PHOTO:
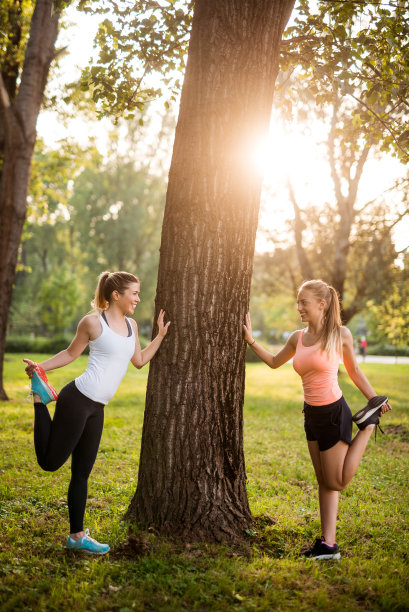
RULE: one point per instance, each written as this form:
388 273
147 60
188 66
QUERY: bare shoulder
90 323
293 338
134 324
345 333
346 338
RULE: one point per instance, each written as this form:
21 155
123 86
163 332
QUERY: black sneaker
321 550
370 414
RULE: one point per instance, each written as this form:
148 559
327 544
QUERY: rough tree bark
192 479
18 117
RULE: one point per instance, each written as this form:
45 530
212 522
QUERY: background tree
345 241
389 319
59 296
344 66
25 59
87 213
356 50
46 239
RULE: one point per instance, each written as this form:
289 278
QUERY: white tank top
108 360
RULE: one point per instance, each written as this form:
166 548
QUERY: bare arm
142 357
88 328
354 371
273 361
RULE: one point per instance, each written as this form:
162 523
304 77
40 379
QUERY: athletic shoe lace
90 539
376 429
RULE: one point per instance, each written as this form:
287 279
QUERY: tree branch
385 125
331 154
353 183
4 96
399 218
306 269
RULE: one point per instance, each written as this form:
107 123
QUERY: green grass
37 573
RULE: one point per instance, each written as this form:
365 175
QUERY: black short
328 424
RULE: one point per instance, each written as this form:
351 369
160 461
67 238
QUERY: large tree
22 87
192 475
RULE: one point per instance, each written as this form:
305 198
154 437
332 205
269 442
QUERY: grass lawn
37 573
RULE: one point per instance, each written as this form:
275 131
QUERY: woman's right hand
163 329
30 367
248 332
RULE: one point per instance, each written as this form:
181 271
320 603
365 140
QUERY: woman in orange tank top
317 351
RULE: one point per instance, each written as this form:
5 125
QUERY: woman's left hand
163 329
248 332
385 408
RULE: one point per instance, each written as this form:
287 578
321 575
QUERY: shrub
41 344
391 350
38 344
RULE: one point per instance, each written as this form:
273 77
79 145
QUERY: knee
48 466
333 485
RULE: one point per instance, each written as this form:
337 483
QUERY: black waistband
73 387
324 406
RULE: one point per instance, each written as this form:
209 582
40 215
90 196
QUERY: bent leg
328 498
340 462
83 459
55 439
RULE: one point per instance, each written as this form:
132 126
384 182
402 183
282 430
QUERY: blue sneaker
88 545
40 386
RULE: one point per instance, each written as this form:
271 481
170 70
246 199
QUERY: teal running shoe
88 545
40 386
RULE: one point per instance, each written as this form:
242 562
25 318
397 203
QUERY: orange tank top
319 373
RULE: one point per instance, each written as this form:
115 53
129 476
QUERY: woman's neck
315 329
114 312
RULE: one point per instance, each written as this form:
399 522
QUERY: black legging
75 429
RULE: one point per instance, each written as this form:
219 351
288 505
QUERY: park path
382 359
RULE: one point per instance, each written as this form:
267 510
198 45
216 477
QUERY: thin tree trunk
192 479
304 262
345 205
18 120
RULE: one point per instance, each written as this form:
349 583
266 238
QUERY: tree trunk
192 479
18 120
345 205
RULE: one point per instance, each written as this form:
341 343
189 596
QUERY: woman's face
309 307
128 300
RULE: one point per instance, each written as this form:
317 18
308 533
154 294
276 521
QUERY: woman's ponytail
99 302
332 323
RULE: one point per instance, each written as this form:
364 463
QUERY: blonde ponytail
331 335
109 282
99 303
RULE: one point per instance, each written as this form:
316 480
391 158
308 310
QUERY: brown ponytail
331 335
109 282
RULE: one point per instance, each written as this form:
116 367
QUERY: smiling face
128 300
310 308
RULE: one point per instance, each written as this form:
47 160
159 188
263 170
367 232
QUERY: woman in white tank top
76 427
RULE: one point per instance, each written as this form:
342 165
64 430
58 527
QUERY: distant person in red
363 345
